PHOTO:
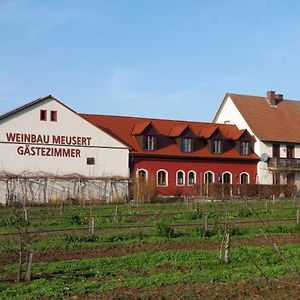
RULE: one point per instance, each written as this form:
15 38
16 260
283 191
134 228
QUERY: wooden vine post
225 247
29 265
92 226
205 225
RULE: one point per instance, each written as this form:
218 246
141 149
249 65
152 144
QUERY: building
47 139
275 124
177 155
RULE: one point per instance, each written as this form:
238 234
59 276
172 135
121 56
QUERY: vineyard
189 249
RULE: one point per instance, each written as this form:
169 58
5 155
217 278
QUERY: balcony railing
284 164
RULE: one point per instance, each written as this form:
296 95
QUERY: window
90 160
150 142
43 115
290 151
226 177
209 177
191 178
244 179
142 176
276 150
187 145
180 178
53 115
162 178
217 146
244 148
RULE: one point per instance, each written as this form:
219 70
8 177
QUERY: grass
147 269
150 268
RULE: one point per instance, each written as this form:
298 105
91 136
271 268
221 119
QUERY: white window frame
187 145
227 172
139 170
183 181
217 146
188 178
245 148
167 176
244 173
213 176
150 142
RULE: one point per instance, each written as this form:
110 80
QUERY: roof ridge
156 119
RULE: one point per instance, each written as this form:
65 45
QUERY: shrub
236 231
200 232
244 212
76 220
193 215
80 239
163 230
121 237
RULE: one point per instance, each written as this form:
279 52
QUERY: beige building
275 123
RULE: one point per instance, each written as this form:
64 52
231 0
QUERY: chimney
278 98
271 98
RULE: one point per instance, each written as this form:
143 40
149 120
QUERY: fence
245 190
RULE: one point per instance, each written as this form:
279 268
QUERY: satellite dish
264 157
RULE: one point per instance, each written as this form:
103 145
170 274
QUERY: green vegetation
153 225
146 269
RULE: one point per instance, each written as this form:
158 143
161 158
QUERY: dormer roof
126 128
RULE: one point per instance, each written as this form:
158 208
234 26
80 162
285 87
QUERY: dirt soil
288 288
51 255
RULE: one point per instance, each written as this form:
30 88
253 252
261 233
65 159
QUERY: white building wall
230 114
111 156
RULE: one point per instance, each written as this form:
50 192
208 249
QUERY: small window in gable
53 115
217 146
43 115
245 149
187 145
149 143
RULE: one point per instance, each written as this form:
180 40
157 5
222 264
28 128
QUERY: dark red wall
152 165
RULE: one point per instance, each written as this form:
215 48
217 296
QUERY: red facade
175 156
200 167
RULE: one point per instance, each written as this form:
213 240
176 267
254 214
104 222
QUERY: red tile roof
177 130
140 127
279 123
124 127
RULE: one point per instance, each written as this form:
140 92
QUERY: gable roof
122 127
140 128
178 130
280 123
32 103
42 99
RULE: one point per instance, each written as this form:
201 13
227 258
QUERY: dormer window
187 145
149 143
245 148
217 146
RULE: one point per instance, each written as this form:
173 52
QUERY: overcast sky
172 59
